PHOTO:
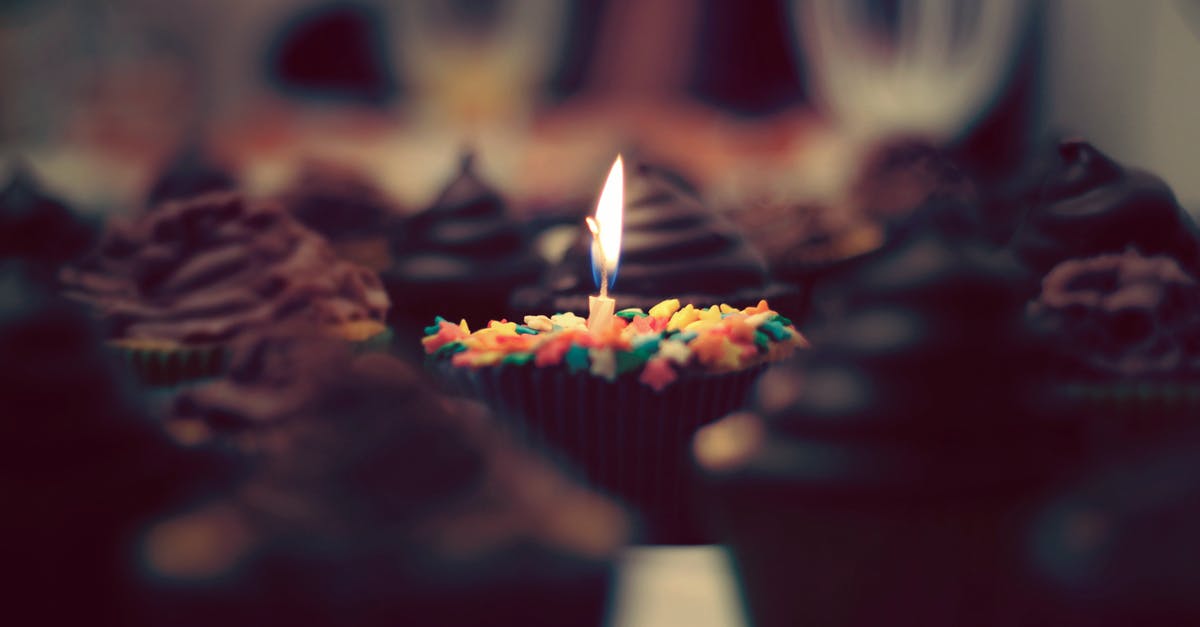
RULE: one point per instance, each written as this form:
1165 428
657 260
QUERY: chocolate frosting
38 228
672 246
337 200
466 236
1091 205
907 182
192 172
1121 314
208 269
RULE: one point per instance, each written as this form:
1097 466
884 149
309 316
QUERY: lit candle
606 245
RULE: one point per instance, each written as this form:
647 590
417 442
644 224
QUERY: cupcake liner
621 436
1121 413
173 366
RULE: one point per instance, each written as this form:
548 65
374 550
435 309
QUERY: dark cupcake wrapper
621 436
172 369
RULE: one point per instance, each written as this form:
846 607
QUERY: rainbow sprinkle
660 343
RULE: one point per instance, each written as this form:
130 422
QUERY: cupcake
39 229
377 502
1090 205
889 472
463 254
353 213
190 173
618 405
1124 330
85 468
672 246
177 284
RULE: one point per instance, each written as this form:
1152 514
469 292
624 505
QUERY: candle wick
594 227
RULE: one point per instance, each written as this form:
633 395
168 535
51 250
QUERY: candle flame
606 227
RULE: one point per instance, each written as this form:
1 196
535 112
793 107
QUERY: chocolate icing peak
192 172
1082 168
468 195
209 269
36 226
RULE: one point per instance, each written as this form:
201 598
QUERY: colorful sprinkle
659 345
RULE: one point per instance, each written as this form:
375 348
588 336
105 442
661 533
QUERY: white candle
606 245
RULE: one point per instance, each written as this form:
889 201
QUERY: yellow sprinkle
701 325
462 324
712 313
666 309
487 358
728 309
682 318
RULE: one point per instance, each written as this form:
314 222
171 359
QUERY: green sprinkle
762 341
776 330
781 320
631 313
687 336
437 325
646 346
517 359
524 330
449 348
576 359
627 362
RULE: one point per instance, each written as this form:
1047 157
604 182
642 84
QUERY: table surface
684 586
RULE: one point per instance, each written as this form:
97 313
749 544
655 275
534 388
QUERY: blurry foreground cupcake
85 469
464 254
887 475
377 502
353 213
619 404
177 284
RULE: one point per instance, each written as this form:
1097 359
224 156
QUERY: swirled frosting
208 269
336 200
190 173
1091 205
1122 314
673 246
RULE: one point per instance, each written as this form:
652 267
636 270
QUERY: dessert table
677 586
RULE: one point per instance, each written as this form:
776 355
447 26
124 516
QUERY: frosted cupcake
619 405
177 284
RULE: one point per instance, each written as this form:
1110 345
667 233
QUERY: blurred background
740 95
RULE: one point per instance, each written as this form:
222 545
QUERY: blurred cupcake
348 209
177 284
86 469
38 229
672 246
191 172
1125 334
380 503
1090 205
464 254
619 404
888 471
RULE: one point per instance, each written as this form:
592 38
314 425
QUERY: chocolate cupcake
672 246
464 254
347 208
889 472
380 503
1124 333
909 183
191 172
39 229
177 284
1090 205
85 469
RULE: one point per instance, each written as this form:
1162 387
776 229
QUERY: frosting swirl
336 200
190 173
208 269
465 236
1091 205
672 247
